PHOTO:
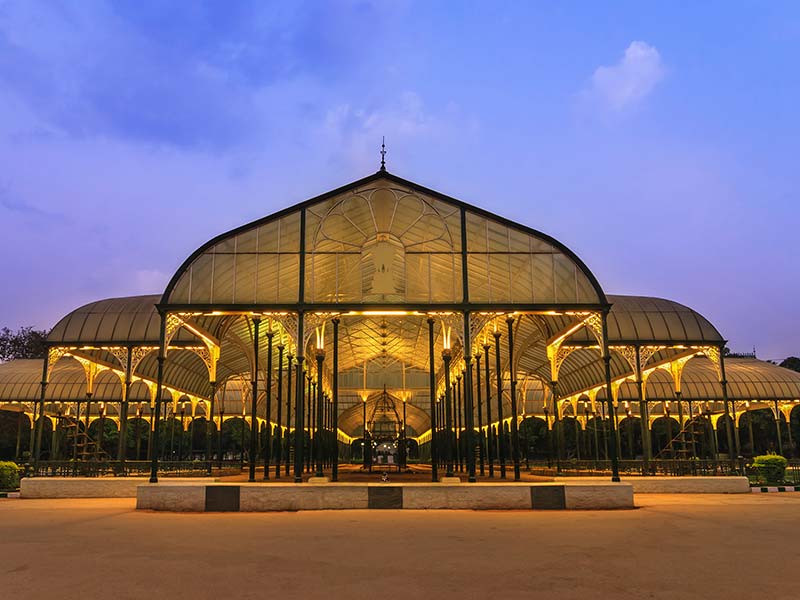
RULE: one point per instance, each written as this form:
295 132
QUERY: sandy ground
673 546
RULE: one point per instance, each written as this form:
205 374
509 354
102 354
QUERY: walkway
673 547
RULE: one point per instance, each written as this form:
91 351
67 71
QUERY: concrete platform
88 487
677 485
254 497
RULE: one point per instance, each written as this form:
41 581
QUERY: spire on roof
383 153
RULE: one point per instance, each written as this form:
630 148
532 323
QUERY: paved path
681 546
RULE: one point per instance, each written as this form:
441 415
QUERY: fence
129 468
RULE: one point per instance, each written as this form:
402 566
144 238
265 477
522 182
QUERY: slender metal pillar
681 424
279 402
268 411
335 407
778 428
209 424
162 356
557 436
318 443
489 438
469 418
448 417
434 411
298 408
123 412
481 448
469 421
458 423
288 454
36 445
252 458
514 413
403 445
610 399
501 438
644 415
312 435
366 447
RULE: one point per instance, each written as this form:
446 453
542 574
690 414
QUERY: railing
130 468
662 467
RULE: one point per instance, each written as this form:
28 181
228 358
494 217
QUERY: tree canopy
792 363
26 342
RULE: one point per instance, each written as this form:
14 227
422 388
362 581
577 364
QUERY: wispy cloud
629 81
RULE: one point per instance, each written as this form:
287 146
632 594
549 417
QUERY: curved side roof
383 240
748 379
636 318
132 319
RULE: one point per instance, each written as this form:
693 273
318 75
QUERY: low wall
87 487
678 485
200 497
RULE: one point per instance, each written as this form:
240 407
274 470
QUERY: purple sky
661 145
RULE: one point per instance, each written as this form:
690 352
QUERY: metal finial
383 153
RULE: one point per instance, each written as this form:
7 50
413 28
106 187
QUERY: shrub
770 467
9 475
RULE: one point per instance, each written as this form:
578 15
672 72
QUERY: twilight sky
660 142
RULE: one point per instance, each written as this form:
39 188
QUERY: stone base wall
86 487
675 485
220 497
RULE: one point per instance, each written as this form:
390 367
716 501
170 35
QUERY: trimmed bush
770 467
9 475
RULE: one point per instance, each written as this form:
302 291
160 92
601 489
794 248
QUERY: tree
792 363
26 342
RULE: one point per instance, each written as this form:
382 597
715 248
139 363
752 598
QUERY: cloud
629 81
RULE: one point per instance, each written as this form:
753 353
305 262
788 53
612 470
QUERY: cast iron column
448 417
335 392
159 383
458 419
279 401
366 446
432 384
501 437
480 411
298 409
317 443
489 439
287 466
253 405
513 376
610 399
268 410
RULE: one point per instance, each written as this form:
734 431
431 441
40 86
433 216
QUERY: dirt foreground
674 546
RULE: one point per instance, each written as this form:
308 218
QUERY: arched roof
637 318
128 320
748 379
383 240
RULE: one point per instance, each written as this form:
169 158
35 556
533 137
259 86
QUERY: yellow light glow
446 331
320 332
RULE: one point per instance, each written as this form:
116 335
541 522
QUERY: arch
535 440
105 433
630 437
757 432
663 431
137 438
236 437
15 427
794 430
